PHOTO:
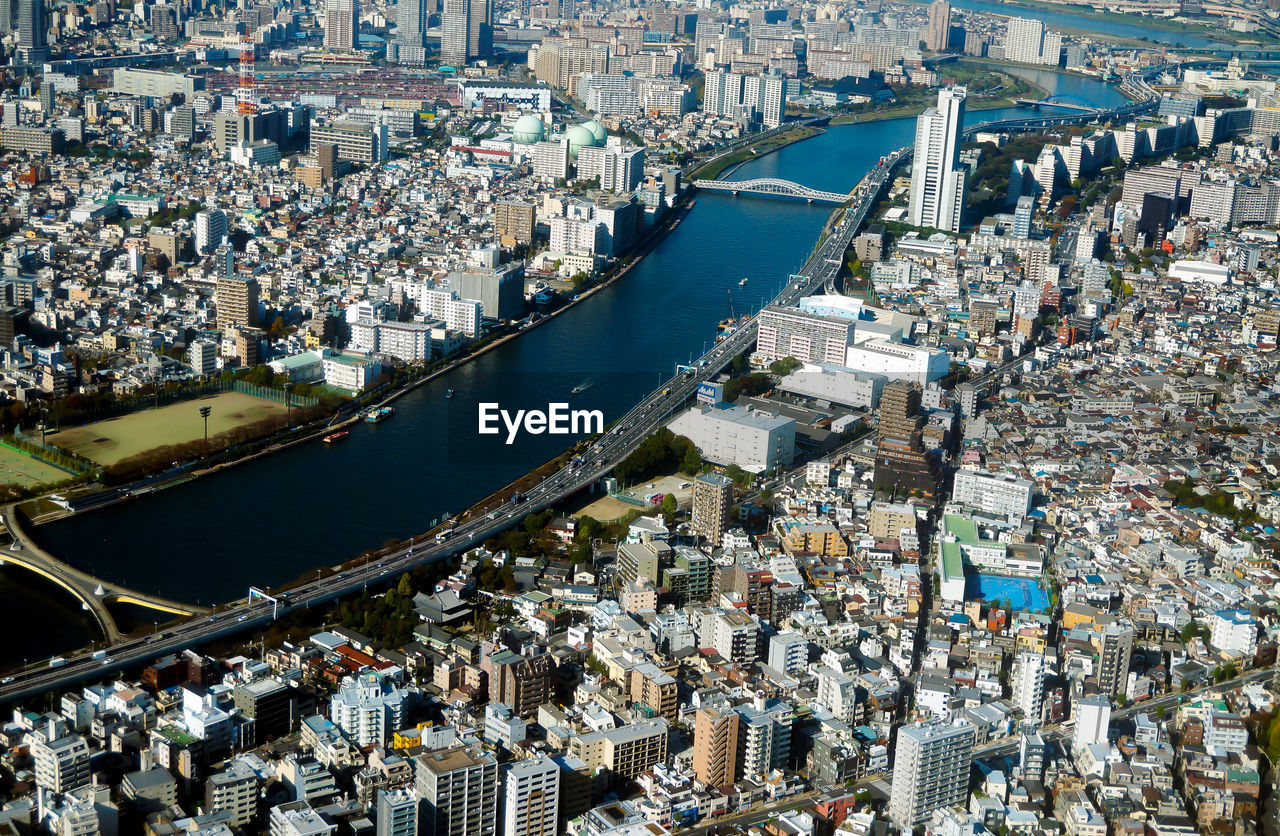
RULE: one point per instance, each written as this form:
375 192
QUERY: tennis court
17 468
1023 594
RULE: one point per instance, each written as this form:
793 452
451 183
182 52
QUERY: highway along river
268 521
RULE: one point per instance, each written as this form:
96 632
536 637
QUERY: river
268 521
1091 23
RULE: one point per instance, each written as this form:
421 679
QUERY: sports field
116 439
17 468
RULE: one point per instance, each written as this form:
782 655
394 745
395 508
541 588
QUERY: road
589 466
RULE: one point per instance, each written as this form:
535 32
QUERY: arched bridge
1064 102
18 549
774 186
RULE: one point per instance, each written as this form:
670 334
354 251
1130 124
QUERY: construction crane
246 101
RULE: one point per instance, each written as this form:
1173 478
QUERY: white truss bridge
772 186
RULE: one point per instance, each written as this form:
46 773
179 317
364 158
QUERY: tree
784 366
579 279
669 507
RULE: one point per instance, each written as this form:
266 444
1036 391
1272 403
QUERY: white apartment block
1002 494
809 338
531 795
930 770
1234 631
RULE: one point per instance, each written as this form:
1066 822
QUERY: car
6 680
243 618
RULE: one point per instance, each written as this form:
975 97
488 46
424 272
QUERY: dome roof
579 137
528 129
598 133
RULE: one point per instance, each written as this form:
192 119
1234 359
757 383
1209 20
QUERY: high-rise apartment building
938 179
623 753
930 770
715 747
341 25
459 792
1002 494
1028 685
514 220
62 763
745 97
211 230
368 710
522 682
531 797
902 463
808 337
712 500
1115 646
939 32
1023 40
237 301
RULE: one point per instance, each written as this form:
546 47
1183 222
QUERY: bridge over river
772 186
18 549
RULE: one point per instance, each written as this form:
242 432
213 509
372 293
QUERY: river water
268 521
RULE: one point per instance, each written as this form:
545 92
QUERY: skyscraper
1023 40
531 797
466 31
33 32
930 770
341 25
938 179
712 498
939 25
411 30
9 11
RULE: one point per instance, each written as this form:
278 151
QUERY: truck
98 654
57 662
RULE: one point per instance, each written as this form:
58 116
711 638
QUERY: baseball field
111 441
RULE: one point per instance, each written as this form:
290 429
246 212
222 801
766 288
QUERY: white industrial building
835 384
753 440
898 361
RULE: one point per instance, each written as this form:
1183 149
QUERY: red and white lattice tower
246 101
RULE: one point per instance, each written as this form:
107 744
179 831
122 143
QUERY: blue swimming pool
1023 594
